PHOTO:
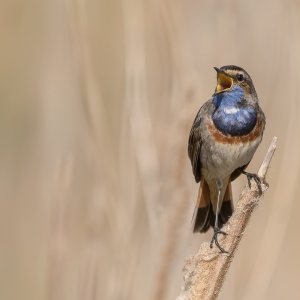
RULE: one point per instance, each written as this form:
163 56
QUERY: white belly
220 160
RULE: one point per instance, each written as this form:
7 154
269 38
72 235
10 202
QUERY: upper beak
225 82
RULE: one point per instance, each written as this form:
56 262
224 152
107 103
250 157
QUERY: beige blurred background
97 100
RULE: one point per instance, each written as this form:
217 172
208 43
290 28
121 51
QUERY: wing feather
194 147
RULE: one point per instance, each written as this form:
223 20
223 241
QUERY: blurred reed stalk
58 246
182 93
97 133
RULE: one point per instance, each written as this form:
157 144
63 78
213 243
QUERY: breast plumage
233 116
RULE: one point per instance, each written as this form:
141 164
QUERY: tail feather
203 210
227 205
204 217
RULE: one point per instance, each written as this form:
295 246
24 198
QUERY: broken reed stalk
206 271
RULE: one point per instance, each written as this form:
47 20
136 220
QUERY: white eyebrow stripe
231 110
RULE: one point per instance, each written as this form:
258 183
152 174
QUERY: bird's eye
240 77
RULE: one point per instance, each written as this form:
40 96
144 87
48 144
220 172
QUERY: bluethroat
225 134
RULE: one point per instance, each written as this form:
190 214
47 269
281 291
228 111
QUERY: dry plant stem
206 271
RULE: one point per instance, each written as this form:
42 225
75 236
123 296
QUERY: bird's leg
252 176
216 227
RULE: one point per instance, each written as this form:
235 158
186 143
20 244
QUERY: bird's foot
256 179
215 239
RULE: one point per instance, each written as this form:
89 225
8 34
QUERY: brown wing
194 147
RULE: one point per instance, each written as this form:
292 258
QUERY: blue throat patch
233 115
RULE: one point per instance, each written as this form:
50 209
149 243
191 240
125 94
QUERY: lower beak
224 81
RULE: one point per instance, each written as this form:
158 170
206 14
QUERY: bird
225 134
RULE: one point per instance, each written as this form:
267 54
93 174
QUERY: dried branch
206 271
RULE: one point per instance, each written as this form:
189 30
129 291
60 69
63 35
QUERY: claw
255 178
215 239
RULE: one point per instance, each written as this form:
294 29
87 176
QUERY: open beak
224 81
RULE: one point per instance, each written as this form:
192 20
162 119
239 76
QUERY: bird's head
230 76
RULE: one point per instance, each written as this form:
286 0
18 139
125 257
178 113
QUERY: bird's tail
204 216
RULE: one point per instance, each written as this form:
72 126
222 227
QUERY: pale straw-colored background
97 100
